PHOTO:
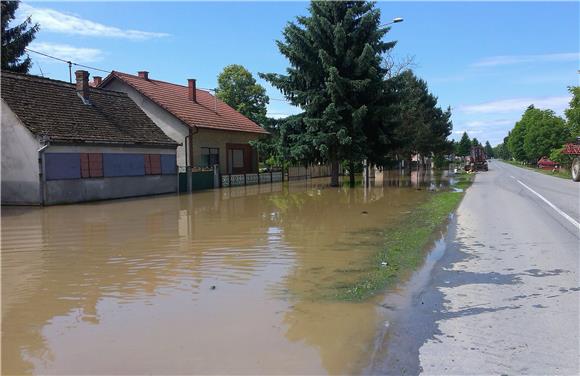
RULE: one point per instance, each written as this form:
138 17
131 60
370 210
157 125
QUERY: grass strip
405 245
563 173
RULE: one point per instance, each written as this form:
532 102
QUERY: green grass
563 173
405 245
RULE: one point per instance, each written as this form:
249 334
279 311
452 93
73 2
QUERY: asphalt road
504 297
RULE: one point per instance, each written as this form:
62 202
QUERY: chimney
191 90
97 80
143 74
83 85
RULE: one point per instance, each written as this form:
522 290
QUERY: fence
235 180
313 171
199 180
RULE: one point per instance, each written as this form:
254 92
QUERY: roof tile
53 108
207 112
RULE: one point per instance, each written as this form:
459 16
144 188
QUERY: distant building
64 143
218 133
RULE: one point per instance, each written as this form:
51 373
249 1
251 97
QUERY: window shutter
96 165
85 172
147 164
155 161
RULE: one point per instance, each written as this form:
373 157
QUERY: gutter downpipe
42 177
189 158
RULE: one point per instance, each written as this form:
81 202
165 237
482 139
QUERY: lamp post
394 21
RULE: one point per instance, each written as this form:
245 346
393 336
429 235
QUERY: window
209 157
238 158
152 164
91 165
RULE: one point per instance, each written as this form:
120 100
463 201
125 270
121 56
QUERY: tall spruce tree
336 77
423 127
15 39
464 147
488 150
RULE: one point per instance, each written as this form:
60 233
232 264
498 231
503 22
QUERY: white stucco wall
168 123
19 155
177 131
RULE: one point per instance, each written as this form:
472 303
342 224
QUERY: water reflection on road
222 281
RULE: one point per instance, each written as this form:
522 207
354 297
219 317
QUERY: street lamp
394 21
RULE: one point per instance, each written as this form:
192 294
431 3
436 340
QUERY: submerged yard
280 278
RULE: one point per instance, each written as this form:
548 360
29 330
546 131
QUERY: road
504 297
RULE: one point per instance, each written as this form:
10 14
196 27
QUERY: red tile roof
200 114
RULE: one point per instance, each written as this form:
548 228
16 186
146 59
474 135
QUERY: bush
557 155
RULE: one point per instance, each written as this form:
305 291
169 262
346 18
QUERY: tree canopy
464 145
422 127
573 112
239 89
15 39
544 132
336 77
488 150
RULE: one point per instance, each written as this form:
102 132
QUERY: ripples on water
221 281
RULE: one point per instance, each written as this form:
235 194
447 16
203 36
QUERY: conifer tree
464 147
15 39
336 77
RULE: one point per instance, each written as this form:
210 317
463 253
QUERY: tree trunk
351 174
334 173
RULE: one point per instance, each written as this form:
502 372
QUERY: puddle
222 281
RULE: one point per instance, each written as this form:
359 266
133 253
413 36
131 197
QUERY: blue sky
488 61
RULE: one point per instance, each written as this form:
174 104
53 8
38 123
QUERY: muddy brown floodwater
223 281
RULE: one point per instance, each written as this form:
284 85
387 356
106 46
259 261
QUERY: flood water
225 281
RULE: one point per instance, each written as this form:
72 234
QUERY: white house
64 143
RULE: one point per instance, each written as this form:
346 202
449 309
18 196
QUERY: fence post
216 177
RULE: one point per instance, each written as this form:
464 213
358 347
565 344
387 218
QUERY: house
64 143
209 131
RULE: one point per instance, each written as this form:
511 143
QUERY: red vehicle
546 164
477 160
574 150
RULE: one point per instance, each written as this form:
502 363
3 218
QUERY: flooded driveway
235 280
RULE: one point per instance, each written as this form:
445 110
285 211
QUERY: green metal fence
199 180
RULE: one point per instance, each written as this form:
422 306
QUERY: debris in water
364 212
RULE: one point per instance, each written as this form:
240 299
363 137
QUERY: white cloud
469 131
66 52
58 22
522 59
489 123
557 104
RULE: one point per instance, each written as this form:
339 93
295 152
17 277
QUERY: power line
69 62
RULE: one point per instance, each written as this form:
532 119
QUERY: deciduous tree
544 132
239 89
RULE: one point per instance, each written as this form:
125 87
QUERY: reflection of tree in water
334 232
123 250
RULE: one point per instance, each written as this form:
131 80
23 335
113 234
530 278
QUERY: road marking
513 177
570 219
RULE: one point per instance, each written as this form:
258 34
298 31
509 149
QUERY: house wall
177 131
19 155
218 139
123 169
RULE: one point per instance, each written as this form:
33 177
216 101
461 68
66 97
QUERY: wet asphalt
504 298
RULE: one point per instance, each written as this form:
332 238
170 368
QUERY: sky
488 61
